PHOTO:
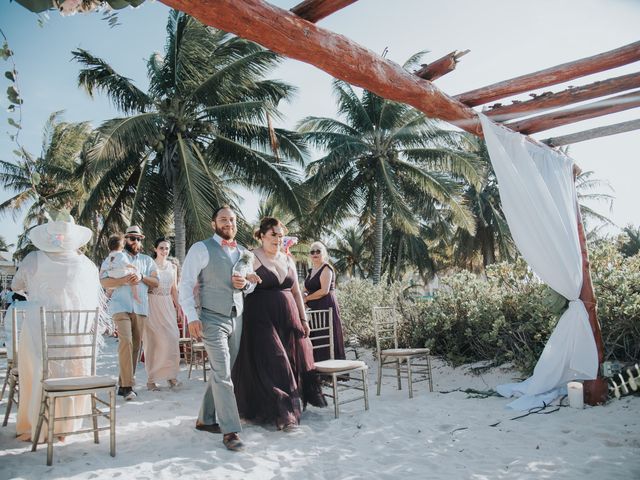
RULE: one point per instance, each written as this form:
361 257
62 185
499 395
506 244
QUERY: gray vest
216 292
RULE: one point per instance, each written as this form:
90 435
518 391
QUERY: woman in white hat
56 276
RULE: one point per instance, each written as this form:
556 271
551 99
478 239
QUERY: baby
118 264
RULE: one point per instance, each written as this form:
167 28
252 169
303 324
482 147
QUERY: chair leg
94 418
398 373
36 436
380 362
51 424
112 422
204 366
334 385
12 389
365 386
409 377
190 364
6 379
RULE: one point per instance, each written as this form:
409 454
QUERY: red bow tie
229 243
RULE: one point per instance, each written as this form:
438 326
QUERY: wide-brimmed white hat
60 235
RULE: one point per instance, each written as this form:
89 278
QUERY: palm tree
49 181
382 155
350 253
629 241
492 238
590 189
4 246
200 128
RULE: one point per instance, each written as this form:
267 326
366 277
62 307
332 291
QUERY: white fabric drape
539 202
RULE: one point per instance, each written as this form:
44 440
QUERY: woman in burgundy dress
320 294
273 374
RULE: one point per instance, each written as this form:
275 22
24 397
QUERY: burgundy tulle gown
312 284
273 374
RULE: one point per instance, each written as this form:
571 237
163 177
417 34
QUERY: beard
226 234
133 248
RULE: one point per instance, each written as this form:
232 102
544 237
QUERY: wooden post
595 391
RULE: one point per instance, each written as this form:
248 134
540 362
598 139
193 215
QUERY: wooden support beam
592 133
548 100
315 10
552 76
440 67
577 114
287 34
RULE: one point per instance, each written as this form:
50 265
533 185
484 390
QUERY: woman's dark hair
266 224
157 242
114 241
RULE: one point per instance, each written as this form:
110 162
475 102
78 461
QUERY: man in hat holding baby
129 313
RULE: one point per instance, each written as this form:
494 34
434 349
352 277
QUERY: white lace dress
160 335
56 281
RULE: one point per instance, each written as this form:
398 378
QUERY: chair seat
198 346
332 366
78 383
404 352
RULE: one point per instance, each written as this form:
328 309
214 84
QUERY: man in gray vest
209 266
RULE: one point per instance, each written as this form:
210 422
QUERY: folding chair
69 337
403 360
338 372
12 377
197 356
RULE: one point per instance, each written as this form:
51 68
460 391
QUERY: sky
506 38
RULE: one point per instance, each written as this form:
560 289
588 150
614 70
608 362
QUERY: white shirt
196 260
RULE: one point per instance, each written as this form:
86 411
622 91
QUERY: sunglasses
134 239
314 252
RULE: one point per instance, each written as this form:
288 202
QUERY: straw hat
134 231
60 235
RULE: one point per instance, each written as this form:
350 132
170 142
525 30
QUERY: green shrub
507 316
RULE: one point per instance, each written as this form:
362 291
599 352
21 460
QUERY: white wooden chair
184 342
4 351
12 377
342 374
68 337
198 356
412 363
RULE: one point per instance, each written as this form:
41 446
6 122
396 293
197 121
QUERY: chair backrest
17 321
68 336
385 324
321 326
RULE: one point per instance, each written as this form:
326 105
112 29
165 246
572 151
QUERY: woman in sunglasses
320 294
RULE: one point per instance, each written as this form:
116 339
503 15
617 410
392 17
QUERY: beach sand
435 435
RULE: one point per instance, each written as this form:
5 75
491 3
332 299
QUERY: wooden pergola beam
582 112
441 66
547 101
287 34
552 76
315 10
592 133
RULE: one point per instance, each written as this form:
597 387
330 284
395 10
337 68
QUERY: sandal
232 442
153 387
174 383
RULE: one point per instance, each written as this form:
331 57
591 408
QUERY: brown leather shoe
232 442
215 428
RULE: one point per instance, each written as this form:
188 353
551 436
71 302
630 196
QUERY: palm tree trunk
179 226
377 251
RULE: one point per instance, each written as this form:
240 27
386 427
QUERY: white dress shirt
196 260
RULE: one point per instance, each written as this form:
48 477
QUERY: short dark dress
312 284
273 374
